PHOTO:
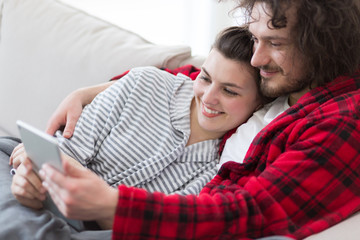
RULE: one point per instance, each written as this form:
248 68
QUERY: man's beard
291 86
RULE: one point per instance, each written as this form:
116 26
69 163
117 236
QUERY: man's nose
260 56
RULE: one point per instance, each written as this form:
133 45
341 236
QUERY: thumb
73 170
69 127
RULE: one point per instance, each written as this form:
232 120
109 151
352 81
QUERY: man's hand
68 112
80 193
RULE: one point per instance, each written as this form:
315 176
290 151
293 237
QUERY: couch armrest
348 229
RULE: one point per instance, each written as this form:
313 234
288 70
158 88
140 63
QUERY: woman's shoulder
149 70
158 75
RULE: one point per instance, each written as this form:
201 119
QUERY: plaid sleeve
142 215
297 195
300 181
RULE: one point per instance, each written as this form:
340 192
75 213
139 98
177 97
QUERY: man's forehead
261 15
257 11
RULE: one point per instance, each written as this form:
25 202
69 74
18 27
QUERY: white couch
48 49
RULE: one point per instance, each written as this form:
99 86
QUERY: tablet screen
40 147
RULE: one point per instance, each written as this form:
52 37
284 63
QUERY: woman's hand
17 156
68 112
80 193
26 185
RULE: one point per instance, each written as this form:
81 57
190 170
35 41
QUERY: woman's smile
208 112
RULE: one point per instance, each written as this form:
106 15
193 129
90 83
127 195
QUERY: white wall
190 22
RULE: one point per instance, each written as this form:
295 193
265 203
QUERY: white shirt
238 144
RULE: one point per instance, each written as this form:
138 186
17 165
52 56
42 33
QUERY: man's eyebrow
276 37
270 37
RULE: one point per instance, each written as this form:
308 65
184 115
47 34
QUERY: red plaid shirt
188 70
300 176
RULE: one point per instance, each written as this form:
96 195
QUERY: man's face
280 62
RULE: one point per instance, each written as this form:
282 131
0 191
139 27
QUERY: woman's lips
208 112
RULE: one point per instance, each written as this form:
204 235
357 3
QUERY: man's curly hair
326 32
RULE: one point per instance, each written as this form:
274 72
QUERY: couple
300 174
155 130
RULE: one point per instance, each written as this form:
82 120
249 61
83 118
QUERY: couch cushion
48 49
345 230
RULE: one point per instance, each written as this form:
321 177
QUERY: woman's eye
206 79
229 92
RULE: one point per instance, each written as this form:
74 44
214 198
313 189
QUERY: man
300 174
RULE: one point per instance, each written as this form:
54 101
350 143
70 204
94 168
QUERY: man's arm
304 180
69 110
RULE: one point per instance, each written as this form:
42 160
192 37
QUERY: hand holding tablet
43 148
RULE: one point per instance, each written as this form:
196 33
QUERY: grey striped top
135 133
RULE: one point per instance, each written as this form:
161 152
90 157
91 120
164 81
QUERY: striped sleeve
135 133
102 115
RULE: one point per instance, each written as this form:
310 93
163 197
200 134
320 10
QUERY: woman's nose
210 95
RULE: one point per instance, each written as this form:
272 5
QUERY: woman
159 131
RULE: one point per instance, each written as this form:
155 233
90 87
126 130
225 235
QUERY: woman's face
226 93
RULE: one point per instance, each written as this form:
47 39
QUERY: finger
55 193
25 169
52 126
70 126
50 174
73 170
53 189
33 203
57 184
19 158
20 187
15 152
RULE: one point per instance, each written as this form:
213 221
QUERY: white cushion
48 49
346 230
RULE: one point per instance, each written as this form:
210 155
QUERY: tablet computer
43 148
39 146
